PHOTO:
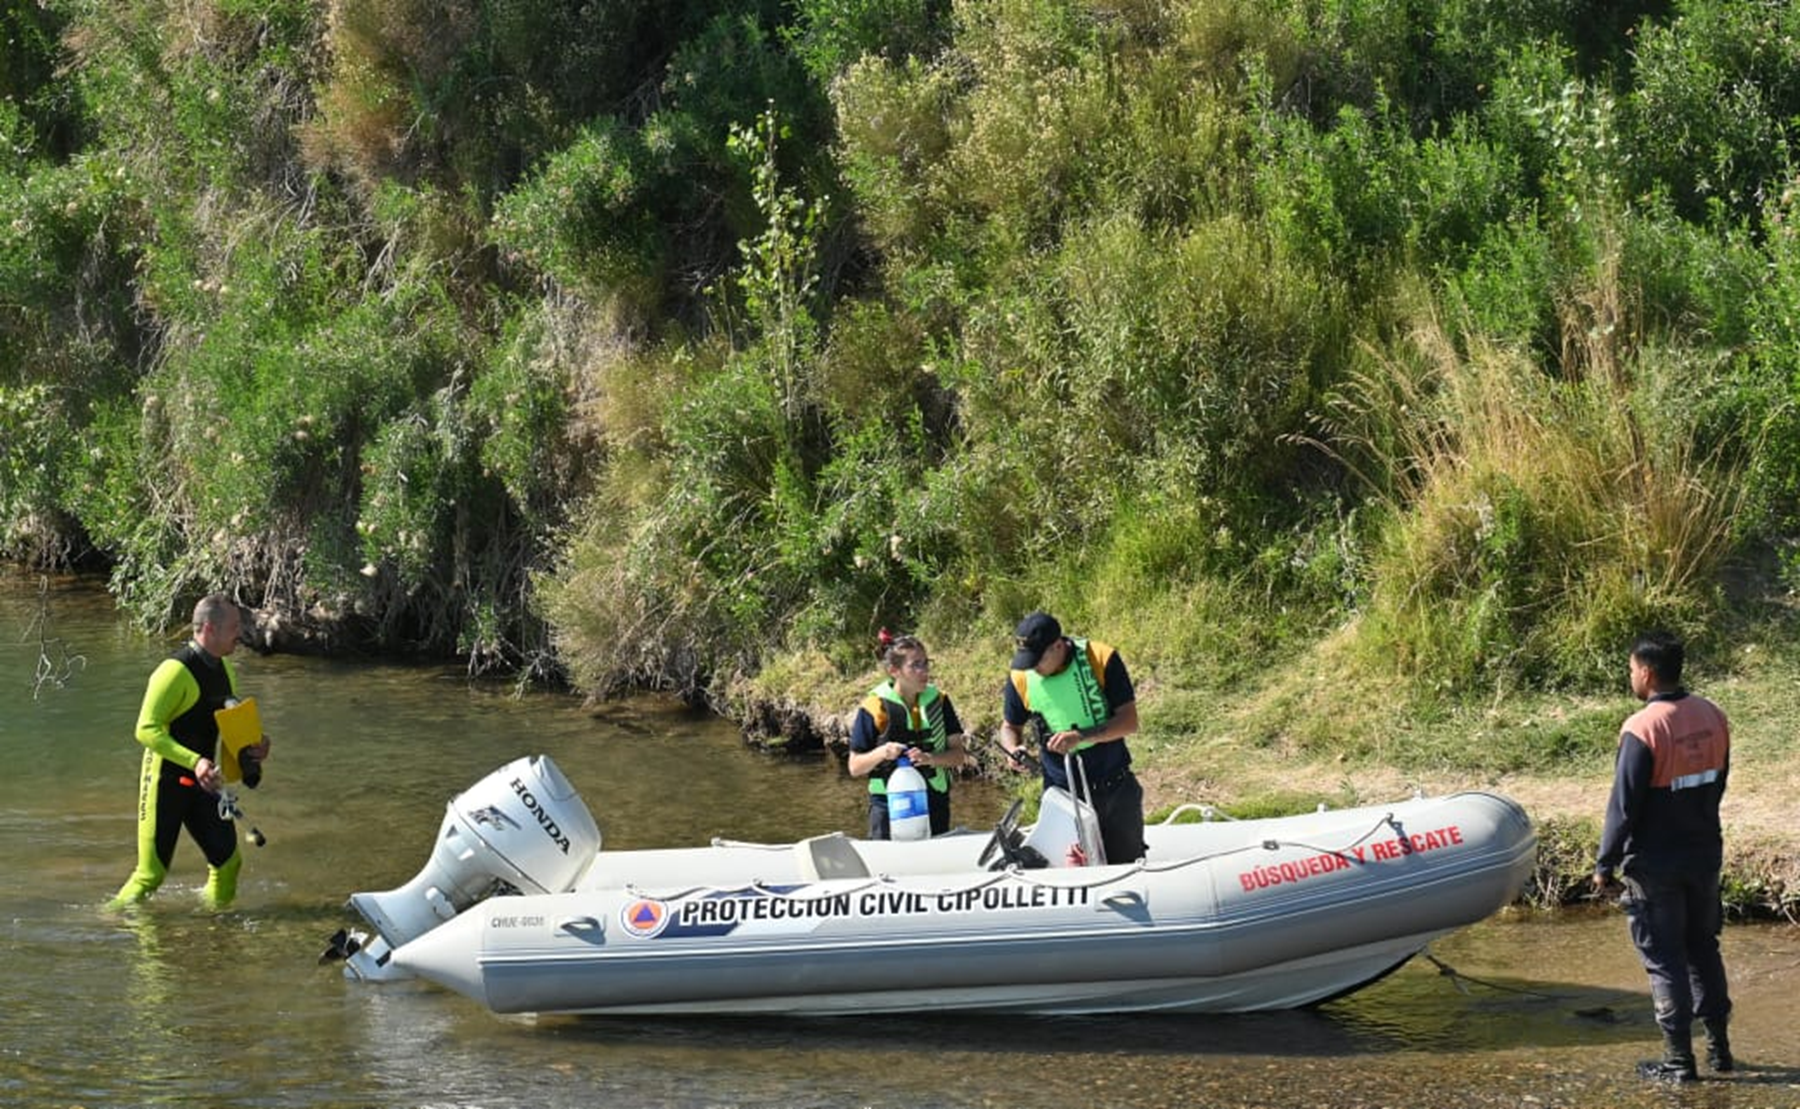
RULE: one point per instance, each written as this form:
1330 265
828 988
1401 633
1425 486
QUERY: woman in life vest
906 715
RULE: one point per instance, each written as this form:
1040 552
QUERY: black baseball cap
1033 637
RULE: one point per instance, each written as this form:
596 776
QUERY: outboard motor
523 826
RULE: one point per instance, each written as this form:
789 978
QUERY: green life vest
900 730
1073 698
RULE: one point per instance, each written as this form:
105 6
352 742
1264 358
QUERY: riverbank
1293 739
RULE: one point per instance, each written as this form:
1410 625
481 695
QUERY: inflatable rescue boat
519 909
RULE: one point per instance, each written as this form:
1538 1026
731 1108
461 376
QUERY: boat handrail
749 845
1208 813
1119 872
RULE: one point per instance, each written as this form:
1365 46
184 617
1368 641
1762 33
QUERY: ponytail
890 647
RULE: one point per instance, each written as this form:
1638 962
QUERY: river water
174 1005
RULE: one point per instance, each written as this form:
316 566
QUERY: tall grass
1535 516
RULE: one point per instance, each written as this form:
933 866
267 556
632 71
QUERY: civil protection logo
644 918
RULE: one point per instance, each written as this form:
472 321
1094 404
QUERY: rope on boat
1457 978
1141 866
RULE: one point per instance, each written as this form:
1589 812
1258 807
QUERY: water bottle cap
903 761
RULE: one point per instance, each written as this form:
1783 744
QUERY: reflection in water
148 996
174 1005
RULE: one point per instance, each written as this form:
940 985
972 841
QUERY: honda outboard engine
522 826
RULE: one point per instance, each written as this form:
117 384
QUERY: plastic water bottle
909 813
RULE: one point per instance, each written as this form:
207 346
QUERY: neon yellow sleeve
171 692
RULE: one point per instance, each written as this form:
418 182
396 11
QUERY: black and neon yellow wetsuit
177 728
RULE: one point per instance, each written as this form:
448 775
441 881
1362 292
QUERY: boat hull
1222 917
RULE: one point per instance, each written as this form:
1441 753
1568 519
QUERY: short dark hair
1662 653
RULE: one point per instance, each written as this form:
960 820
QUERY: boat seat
829 856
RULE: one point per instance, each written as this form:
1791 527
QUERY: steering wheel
1005 840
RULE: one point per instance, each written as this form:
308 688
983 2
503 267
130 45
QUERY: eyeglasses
918 665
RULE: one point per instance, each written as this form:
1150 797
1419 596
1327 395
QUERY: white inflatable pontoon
519 909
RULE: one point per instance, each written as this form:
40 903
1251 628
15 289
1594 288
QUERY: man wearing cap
1080 696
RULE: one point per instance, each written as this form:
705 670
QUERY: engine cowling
523 825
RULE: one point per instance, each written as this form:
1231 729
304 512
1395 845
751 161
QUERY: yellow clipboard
240 726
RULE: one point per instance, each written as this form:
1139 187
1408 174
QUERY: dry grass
1536 515
1250 753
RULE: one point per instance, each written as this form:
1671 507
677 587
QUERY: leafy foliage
647 341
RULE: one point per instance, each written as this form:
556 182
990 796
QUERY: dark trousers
1119 807
1675 918
938 804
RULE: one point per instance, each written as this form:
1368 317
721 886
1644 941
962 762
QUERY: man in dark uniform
1079 694
178 785
1662 840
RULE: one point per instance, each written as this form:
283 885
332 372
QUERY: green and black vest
899 730
1075 698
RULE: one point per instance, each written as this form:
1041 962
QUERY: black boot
1677 1062
1718 1046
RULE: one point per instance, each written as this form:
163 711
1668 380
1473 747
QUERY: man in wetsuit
1662 840
178 785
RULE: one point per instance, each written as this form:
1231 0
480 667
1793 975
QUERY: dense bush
648 340
1715 105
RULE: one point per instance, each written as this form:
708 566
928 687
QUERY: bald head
217 622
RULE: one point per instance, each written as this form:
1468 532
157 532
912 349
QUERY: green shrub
1039 109
1565 861
521 399
1506 287
1195 354
895 124
468 95
38 112
65 252
1365 191
1714 104
1767 382
1534 525
588 218
829 36
33 463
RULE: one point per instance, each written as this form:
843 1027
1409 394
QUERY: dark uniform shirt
1674 756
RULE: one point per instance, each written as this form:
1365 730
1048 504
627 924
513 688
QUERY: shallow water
175 1006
